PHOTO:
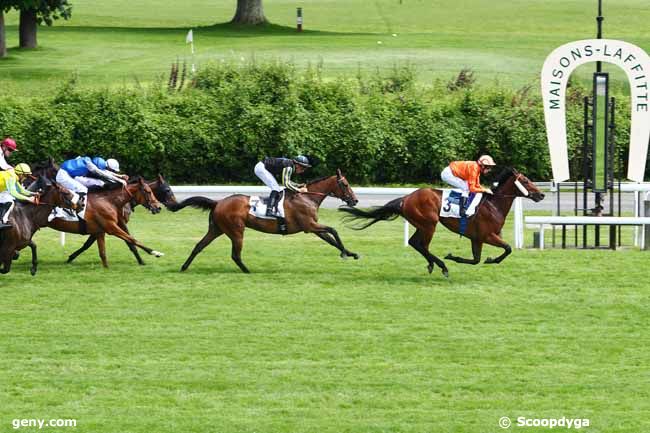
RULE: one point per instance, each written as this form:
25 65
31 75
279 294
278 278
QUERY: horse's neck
121 196
504 197
323 187
35 216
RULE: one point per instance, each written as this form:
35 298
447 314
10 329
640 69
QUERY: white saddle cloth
450 207
258 207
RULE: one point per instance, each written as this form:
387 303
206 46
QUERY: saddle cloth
258 206
450 203
66 214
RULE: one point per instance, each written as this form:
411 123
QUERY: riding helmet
302 160
486 160
22 169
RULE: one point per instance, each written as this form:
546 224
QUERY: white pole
519 224
62 239
193 67
406 233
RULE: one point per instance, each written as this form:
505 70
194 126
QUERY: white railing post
62 239
519 223
406 233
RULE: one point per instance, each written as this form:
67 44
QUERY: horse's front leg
477 247
32 246
330 235
115 230
496 241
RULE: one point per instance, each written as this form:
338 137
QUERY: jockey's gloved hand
488 191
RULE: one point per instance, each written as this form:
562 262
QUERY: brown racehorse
163 193
104 211
231 216
27 218
421 208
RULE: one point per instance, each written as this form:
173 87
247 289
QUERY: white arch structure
555 75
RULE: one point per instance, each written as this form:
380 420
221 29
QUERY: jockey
268 168
81 172
8 146
11 189
465 175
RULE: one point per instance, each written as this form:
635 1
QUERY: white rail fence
519 220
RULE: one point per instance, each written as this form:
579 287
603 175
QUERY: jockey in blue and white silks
82 172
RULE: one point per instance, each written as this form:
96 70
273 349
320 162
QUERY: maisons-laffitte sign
555 75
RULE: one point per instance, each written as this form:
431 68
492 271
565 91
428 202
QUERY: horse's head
523 187
143 195
343 190
53 193
163 191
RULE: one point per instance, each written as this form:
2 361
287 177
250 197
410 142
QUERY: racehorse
231 216
27 218
104 211
163 193
421 208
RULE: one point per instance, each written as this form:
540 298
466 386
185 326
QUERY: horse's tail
196 202
387 212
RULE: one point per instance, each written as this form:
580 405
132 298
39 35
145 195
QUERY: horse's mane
505 174
318 179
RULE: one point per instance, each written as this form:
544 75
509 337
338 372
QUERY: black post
585 168
599 20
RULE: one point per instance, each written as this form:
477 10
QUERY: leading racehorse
231 216
421 208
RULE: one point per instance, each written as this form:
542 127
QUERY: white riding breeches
90 181
67 181
448 176
266 177
5 197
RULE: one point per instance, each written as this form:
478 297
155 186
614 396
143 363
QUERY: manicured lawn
311 343
117 43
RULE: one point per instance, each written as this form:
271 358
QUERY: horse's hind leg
33 270
212 234
84 247
477 247
420 242
132 247
495 240
331 236
237 240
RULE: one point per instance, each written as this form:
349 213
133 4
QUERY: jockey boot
4 207
461 206
272 207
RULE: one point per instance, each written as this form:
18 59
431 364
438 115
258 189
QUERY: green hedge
376 129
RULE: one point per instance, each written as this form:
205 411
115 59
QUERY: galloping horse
27 218
421 208
231 216
105 210
163 193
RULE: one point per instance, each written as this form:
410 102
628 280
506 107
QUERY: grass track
311 343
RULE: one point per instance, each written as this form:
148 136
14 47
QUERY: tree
5 5
249 12
36 12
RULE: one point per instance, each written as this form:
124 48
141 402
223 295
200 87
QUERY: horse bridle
340 182
518 184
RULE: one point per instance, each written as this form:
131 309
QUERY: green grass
312 343
115 43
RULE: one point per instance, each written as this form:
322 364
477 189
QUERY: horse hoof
343 256
489 260
356 256
32 271
157 253
445 273
16 256
430 268
449 256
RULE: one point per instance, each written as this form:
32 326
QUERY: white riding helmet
486 160
113 165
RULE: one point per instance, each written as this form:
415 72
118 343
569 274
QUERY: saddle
450 203
259 204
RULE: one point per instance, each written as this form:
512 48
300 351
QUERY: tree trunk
27 28
249 12
3 41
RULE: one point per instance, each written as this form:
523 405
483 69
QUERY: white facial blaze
75 198
521 188
555 75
